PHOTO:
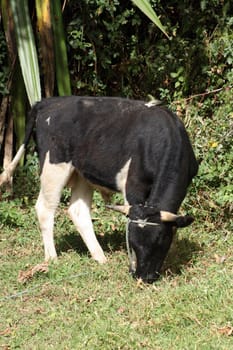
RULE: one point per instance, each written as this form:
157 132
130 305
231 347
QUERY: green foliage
115 50
212 139
95 37
26 181
10 214
147 9
220 52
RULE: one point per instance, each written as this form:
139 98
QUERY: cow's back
99 135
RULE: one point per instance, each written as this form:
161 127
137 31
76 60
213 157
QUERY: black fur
99 135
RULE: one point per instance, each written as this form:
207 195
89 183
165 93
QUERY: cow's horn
167 216
124 209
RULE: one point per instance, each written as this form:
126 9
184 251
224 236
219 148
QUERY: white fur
121 179
48 120
80 213
53 179
152 103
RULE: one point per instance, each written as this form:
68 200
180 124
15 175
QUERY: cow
114 145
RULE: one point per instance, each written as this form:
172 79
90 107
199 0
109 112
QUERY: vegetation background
113 49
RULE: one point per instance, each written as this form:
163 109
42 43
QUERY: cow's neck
168 197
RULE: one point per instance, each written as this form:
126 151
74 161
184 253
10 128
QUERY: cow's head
148 238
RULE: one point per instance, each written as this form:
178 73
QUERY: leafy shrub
212 191
10 215
116 50
26 181
100 52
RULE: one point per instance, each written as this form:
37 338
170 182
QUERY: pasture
79 304
76 303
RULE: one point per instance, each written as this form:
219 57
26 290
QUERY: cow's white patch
46 221
53 179
121 179
88 102
48 120
131 252
133 261
79 211
152 103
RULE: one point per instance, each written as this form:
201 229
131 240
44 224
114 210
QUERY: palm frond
26 49
146 8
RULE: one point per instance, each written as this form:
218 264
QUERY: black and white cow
114 144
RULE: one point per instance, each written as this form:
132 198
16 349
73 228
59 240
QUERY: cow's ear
183 221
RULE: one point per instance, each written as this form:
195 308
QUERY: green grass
79 304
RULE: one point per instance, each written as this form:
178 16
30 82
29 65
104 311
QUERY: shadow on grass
109 242
180 255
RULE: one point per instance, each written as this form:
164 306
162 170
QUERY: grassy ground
79 304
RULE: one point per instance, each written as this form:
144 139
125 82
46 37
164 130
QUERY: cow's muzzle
149 278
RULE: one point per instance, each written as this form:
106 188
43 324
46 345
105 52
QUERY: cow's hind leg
80 213
53 179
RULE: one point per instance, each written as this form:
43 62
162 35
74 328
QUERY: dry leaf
90 300
121 310
24 276
6 332
227 330
219 259
140 284
113 227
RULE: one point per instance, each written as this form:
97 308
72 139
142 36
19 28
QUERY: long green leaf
145 7
26 49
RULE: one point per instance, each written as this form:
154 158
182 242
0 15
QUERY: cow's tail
6 175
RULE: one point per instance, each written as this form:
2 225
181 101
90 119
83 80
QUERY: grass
79 304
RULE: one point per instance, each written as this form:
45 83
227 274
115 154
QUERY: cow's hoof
100 259
52 259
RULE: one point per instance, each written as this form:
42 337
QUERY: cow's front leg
80 213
